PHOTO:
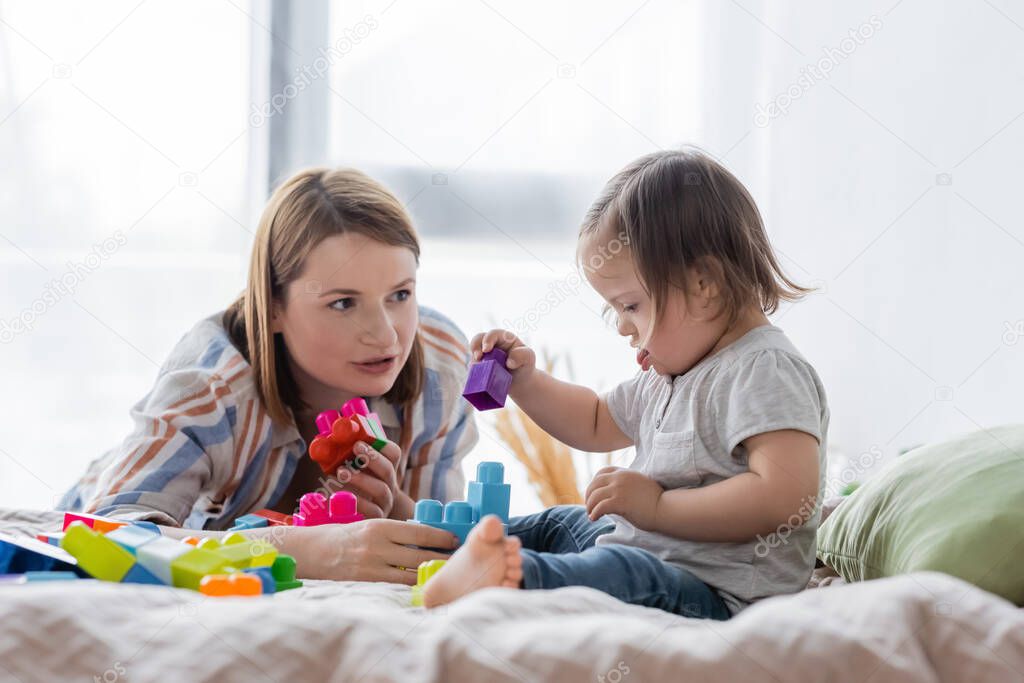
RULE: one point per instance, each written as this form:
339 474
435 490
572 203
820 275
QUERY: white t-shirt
688 432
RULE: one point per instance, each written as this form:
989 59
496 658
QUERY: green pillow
955 507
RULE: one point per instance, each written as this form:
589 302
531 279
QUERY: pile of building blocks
487 495
424 573
136 552
340 431
488 381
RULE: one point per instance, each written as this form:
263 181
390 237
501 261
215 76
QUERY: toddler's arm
778 493
573 414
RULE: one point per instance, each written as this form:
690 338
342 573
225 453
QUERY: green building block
189 569
283 571
99 556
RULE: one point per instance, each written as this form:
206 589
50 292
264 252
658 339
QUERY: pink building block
314 509
325 420
357 406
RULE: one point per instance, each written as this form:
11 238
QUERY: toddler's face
688 328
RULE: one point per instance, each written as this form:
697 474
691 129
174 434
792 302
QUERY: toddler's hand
521 358
624 492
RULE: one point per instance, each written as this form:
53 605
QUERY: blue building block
139 574
51 576
52 539
266 577
143 524
132 537
456 517
249 522
20 554
157 555
489 495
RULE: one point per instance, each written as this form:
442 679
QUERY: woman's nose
379 330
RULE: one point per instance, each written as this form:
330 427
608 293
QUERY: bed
918 627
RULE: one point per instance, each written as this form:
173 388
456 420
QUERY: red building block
275 518
332 449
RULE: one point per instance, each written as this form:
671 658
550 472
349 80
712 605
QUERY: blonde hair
307 208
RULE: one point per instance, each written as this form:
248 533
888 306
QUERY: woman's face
349 320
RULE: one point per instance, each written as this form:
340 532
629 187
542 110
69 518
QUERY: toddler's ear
704 276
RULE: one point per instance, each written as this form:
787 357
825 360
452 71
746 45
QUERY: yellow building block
424 573
188 570
96 554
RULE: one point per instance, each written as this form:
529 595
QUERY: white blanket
920 627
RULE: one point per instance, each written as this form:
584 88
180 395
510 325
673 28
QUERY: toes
489 530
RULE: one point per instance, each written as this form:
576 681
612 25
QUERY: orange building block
223 585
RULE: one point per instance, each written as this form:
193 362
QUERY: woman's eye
343 304
631 308
402 295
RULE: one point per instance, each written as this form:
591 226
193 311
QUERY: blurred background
139 141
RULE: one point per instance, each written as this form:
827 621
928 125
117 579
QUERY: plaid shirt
204 450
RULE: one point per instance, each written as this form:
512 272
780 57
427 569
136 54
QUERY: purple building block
488 381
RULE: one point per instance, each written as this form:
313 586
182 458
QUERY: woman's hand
624 492
375 482
522 361
371 550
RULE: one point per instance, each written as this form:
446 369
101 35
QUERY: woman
329 314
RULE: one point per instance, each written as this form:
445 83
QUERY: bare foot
487 559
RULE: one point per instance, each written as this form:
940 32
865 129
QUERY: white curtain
888 170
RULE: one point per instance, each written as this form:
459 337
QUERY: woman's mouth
376 366
643 357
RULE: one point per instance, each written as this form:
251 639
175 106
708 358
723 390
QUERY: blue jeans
559 550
